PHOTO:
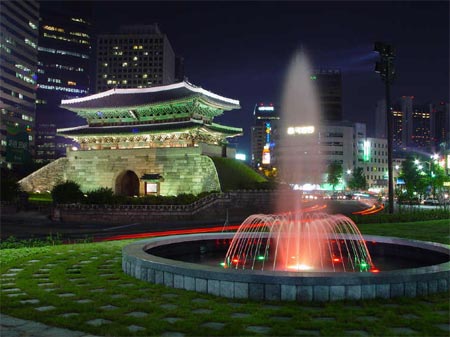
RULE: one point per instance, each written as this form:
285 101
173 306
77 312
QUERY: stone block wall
184 170
46 177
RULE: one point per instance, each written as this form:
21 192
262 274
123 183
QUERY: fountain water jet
300 241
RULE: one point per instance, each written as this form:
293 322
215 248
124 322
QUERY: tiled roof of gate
116 98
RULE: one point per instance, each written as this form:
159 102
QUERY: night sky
241 49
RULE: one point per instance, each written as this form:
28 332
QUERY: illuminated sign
268 131
266 108
448 161
366 148
240 156
300 130
266 155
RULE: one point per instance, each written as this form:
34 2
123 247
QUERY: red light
374 270
236 261
336 259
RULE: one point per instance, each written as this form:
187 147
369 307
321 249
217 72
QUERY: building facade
329 89
19 24
136 57
64 59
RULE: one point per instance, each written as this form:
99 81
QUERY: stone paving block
321 293
118 296
11 290
15 269
202 311
368 291
324 319
382 290
108 307
403 330
168 306
200 300
240 290
45 308
98 321
33 261
213 325
84 301
258 329
288 292
69 314
31 301
368 318
361 333
172 320
410 289
409 316
17 294
304 332
178 281
422 288
9 275
444 327
337 293
239 315
201 285
353 292
227 289
304 293
214 287
137 314
46 284
126 285
135 328
159 277
99 290
49 289
66 295
281 318
172 334
271 307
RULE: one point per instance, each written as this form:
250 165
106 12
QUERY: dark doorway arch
127 184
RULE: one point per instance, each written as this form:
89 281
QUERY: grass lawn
82 287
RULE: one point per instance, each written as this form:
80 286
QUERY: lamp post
434 160
385 67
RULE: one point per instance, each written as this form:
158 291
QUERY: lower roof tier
185 129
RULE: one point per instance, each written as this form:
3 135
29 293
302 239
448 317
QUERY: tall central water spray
299 240
298 159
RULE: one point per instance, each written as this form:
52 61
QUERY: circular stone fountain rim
138 249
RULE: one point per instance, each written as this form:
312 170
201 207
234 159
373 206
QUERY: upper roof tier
147 104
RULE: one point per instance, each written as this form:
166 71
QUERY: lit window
71 83
125 64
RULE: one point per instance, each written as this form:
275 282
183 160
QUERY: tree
334 172
10 188
358 180
415 181
67 193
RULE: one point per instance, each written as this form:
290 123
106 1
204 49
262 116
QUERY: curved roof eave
153 95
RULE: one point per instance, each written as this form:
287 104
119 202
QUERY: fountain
299 241
298 255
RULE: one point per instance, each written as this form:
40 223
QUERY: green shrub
100 196
68 192
10 188
409 216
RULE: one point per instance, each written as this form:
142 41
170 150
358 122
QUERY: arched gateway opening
127 184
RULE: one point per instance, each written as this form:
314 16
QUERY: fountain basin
289 286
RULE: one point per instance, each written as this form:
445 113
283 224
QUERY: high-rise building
263 133
440 125
64 68
136 57
329 89
421 127
19 22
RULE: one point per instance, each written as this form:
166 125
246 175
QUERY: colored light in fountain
336 260
261 258
300 267
374 270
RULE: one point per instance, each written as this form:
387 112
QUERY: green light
261 257
222 264
313 77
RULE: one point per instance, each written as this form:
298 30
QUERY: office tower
136 57
263 133
63 70
19 22
329 89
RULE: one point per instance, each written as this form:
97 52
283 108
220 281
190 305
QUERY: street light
385 67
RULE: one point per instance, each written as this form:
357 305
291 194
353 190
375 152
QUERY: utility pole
385 67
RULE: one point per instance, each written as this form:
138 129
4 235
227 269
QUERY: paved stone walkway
16 327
